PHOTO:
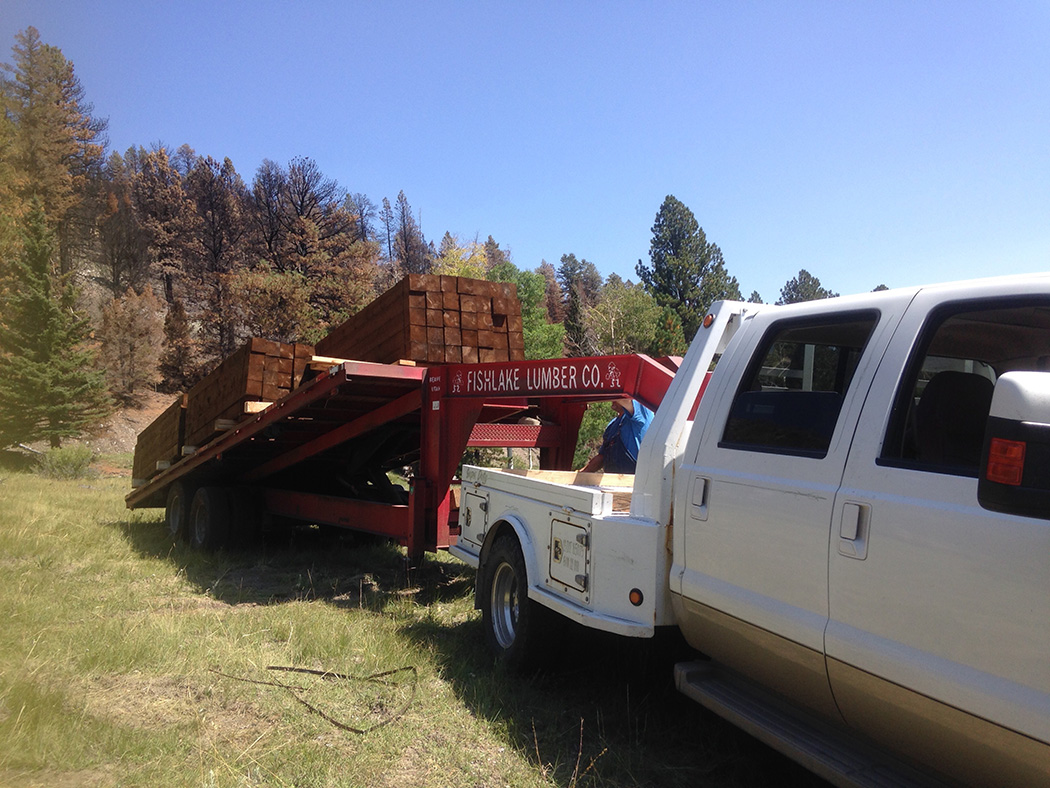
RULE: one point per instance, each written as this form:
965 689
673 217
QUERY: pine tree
49 386
579 340
56 149
687 272
410 248
130 338
552 293
669 339
804 287
178 361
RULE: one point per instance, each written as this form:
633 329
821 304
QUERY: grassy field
126 660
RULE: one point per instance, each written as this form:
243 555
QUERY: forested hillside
122 272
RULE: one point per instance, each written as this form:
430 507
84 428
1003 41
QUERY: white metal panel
588 500
622 553
951 601
755 544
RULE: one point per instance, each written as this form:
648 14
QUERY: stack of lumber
434 319
424 319
160 444
260 371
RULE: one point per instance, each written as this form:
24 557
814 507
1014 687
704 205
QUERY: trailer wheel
209 522
514 624
177 509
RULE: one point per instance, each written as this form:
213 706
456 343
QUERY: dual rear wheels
211 518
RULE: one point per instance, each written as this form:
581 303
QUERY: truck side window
789 399
938 418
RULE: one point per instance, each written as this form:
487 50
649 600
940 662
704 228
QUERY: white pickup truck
852 531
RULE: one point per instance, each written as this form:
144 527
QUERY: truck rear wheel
209 523
514 624
177 509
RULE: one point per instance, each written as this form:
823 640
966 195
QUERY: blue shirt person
622 438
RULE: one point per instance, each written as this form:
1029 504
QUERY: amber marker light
636 597
1006 461
709 320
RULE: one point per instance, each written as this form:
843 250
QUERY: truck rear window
789 400
941 408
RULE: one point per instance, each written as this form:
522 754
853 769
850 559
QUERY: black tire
515 626
209 521
177 509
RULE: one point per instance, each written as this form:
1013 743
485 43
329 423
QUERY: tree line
125 271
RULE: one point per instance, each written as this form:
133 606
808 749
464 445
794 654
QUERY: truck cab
816 530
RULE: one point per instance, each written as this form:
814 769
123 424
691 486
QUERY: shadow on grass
303 563
605 711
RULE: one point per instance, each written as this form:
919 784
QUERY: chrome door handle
698 498
853 530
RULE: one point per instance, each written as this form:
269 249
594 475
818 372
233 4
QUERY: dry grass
118 651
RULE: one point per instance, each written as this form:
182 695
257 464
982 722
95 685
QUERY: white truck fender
524 535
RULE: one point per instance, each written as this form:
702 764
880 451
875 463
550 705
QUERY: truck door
939 630
761 482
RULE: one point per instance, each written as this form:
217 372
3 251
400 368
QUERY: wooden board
261 370
433 320
161 441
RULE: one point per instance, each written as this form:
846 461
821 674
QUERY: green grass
118 650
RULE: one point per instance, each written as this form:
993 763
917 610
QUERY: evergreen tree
409 246
579 339
552 294
130 338
668 338
687 272
581 274
57 146
49 386
168 219
178 361
220 198
804 287
123 242
493 254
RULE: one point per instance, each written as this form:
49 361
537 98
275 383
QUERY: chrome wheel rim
504 605
200 525
174 515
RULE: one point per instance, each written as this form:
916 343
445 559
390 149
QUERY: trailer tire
177 509
514 624
209 522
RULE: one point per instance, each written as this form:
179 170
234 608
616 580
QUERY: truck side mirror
1015 462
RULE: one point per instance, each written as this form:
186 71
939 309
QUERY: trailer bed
322 453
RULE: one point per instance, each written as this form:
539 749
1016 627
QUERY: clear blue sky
867 142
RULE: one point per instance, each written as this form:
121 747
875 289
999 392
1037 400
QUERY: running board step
822 749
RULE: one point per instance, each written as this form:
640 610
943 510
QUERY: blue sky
888 142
